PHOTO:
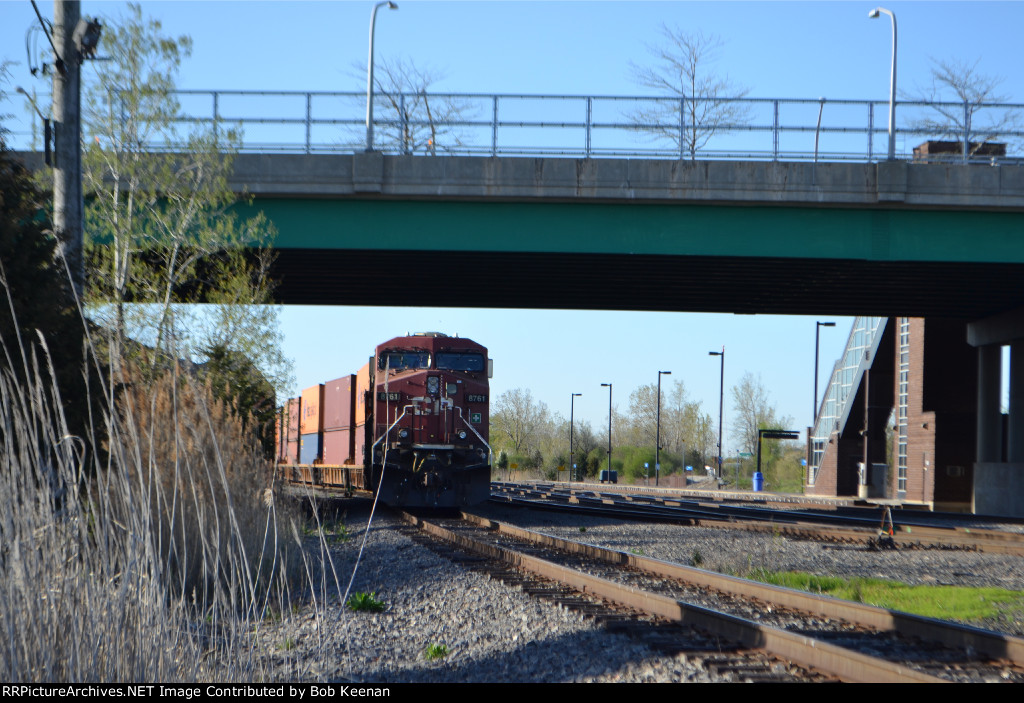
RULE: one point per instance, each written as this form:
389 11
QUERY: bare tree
973 119
519 423
754 411
704 102
412 120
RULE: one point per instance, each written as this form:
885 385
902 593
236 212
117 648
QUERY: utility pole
67 173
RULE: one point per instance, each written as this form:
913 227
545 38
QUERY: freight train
412 424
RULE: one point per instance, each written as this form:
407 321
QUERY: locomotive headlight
433 384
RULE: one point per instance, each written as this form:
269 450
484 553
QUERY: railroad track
802 524
740 629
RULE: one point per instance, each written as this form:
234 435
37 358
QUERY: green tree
36 300
161 234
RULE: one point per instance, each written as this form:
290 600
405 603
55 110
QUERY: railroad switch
885 538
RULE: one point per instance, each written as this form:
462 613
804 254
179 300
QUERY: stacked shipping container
292 430
339 413
312 425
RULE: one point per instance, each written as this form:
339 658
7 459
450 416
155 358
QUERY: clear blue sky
792 49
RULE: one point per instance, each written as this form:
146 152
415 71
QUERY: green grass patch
365 602
962 603
435 651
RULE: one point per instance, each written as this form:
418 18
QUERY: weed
287 645
365 602
582 528
639 552
944 602
435 651
696 559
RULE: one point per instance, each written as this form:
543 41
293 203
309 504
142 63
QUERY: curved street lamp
892 81
369 74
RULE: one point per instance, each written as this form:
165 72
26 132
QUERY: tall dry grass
149 550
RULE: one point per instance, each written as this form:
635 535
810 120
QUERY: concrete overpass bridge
888 238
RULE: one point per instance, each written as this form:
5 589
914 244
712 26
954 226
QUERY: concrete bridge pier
999 480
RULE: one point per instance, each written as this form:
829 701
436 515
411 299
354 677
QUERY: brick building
902 402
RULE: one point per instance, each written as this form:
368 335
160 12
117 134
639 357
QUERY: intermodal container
362 402
292 451
294 406
359 445
278 435
338 446
339 403
309 450
312 406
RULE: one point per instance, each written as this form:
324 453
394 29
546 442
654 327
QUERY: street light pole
572 464
892 82
817 330
721 397
369 74
657 439
609 430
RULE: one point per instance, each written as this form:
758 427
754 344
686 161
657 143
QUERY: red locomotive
411 424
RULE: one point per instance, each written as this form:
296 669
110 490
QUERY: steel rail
993 644
803 650
806 525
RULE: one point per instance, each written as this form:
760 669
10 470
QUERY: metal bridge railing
580 126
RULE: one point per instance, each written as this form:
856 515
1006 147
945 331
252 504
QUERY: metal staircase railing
847 375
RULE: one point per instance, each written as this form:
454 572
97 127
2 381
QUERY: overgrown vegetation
962 603
175 529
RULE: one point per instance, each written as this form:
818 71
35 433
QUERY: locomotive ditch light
462 434
403 433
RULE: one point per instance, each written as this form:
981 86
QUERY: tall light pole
572 463
721 397
817 330
892 82
369 74
657 439
609 430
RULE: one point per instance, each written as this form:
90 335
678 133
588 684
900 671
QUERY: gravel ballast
495 633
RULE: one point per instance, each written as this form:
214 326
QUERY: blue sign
689 468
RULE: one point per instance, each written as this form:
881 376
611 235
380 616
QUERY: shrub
435 651
365 602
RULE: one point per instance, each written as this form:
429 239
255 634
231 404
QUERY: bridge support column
1015 431
990 418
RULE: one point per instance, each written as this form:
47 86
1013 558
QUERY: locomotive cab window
456 361
403 360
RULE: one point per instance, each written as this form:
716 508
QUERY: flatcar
412 425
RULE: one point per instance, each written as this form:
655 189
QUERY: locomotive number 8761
417 430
